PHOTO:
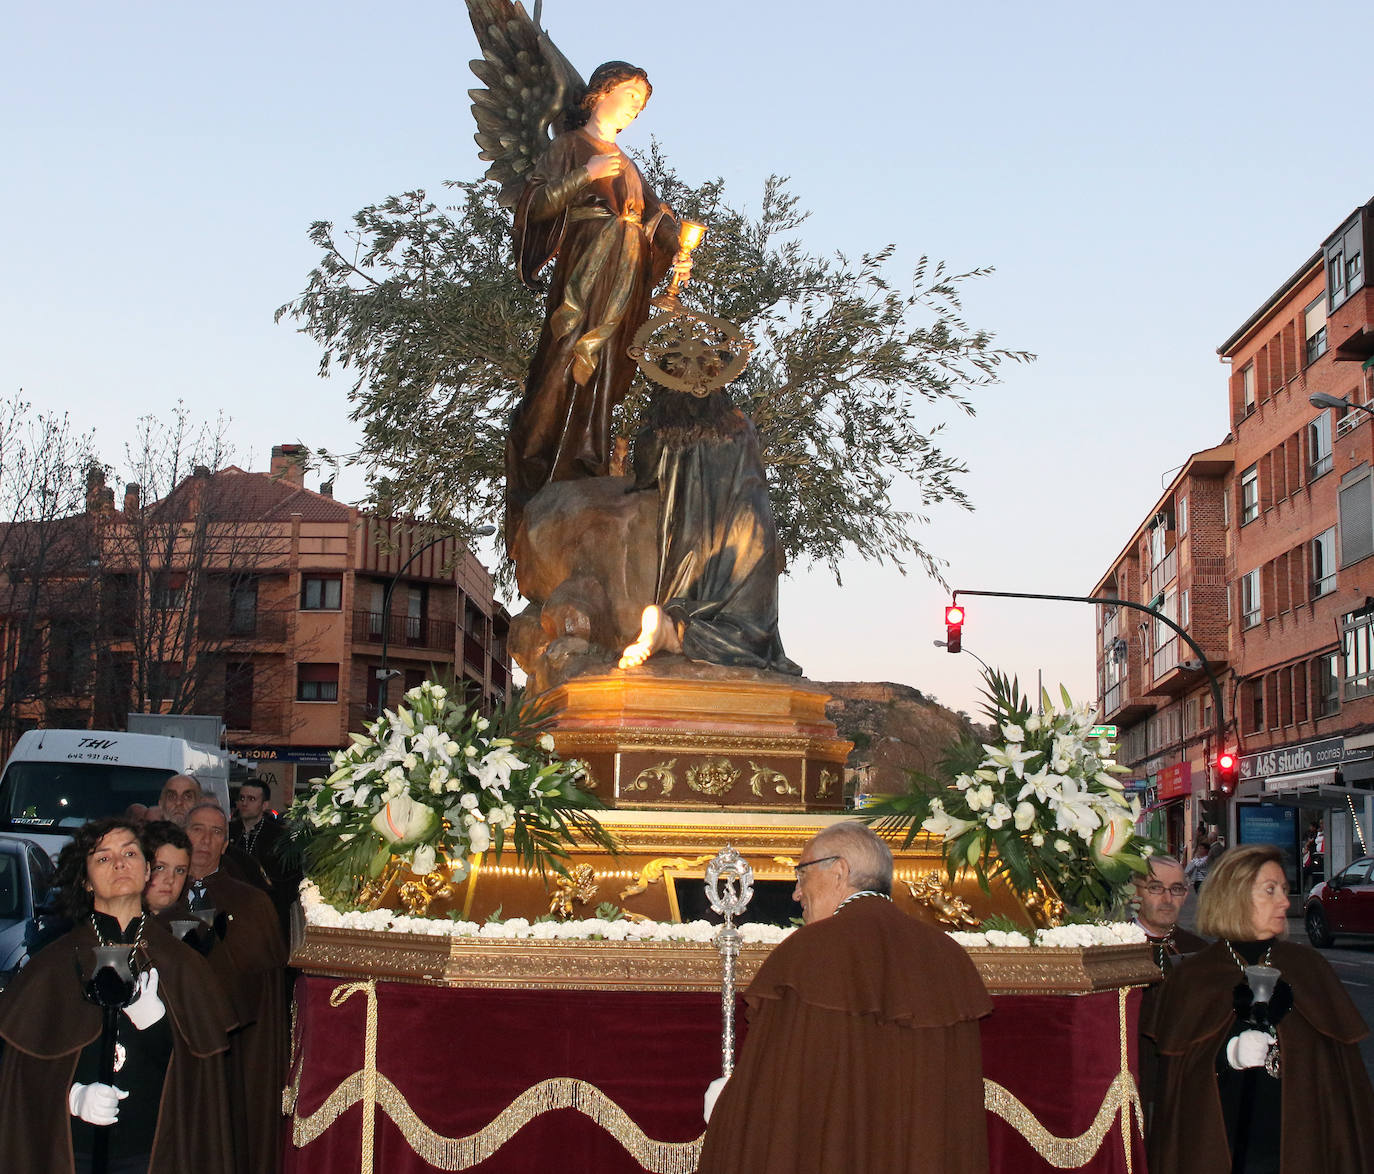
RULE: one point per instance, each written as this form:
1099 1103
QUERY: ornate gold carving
949 909
714 777
588 782
652 872
662 774
764 776
586 965
828 780
579 886
417 895
374 892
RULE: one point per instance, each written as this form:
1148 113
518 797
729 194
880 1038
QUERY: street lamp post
1320 399
384 674
979 659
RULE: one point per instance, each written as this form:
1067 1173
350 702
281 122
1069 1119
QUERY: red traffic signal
954 624
1227 771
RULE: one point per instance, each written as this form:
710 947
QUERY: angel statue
581 203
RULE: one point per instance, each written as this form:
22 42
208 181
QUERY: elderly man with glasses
1161 894
863 1047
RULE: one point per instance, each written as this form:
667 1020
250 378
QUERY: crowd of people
863 1044
188 1074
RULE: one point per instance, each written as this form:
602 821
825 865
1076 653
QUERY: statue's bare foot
652 637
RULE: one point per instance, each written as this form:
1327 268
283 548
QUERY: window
1314 329
1319 446
1249 495
1159 536
321 592
1226 508
169 592
1324 563
1183 616
238 696
1182 516
1356 516
1357 650
416 609
1328 684
1345 261
1250 599
70 658
317 682
1247 389
243 607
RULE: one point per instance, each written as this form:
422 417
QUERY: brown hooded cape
863 1054
45 1023
1328 1106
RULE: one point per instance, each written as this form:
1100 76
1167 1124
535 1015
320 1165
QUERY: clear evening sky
1141 178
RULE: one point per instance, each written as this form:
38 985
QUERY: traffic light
954 626
1227 772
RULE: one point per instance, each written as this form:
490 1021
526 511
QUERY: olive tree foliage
421 307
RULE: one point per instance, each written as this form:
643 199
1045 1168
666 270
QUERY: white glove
713 1091
146 1008
1248 1049
96 1104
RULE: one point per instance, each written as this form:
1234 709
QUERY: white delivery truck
55 780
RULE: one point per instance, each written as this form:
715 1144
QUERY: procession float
525 932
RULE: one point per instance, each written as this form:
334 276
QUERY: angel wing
530 87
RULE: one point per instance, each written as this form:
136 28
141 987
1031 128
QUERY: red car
1342 905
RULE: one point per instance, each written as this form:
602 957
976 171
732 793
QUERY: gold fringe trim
373 1090
1122 1101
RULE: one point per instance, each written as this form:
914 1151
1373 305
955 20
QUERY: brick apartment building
1262 549
249 596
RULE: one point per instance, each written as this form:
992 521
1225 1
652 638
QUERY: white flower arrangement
434 782
1040 806
320 913
1102 933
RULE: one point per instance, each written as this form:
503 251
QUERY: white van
56 780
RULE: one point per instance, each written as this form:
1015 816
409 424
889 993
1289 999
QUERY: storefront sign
302 755
1175 781
1292 759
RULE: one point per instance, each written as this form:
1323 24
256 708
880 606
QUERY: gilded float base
752 742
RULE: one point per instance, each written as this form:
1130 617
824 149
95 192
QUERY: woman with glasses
1257 1076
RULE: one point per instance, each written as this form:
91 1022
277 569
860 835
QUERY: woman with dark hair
1257 1085
586 207
166 1108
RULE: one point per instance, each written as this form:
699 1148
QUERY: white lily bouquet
434 782
1038 805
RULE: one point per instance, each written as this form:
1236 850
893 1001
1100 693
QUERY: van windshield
35 796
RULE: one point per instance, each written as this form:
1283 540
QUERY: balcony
1164 573
1165 658
1120 705
369 627
473 652
222 627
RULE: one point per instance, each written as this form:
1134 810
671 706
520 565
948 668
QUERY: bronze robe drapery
612 240
718 558
863 1055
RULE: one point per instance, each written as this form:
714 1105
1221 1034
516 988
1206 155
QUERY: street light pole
979 659
1320 399
384 674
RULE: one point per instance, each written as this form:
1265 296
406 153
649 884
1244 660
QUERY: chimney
95 488
326 488
131 496
288 463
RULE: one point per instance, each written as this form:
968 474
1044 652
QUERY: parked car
1342 905
26 876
